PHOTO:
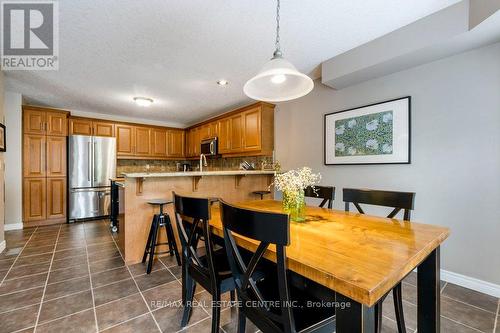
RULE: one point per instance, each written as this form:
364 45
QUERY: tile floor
72 278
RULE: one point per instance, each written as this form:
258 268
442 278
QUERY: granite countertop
198 173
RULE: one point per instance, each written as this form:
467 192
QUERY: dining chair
327 193
398 201
267 302
211 270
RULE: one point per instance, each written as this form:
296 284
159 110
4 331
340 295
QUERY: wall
13 161
2 168
455 167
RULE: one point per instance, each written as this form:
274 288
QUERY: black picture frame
325 116
3 141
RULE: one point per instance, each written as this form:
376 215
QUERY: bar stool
261 193
160 220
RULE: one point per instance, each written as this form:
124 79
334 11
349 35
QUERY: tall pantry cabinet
45 134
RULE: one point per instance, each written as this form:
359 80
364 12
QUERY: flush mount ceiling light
222 82
278 80
143 101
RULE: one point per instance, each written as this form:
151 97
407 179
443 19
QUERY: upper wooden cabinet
80 126
159 144
86 126
143 141
224 126
125 140
176 139
37 120
252 131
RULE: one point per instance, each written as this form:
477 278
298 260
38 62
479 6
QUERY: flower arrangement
293 183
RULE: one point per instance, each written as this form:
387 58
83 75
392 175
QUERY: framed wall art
371 134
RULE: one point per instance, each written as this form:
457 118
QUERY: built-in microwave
209 147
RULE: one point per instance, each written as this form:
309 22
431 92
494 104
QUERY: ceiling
175 51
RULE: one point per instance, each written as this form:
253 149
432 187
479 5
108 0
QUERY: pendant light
278 80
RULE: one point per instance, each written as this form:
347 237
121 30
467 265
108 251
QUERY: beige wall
455 167
2 166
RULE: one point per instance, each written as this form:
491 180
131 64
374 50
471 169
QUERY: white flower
387 117
372 144
296 180
387 148
351 123
372 125
339 146
340 130
351 151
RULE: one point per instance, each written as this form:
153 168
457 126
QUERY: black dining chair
211 270
267 303
398 201
327 193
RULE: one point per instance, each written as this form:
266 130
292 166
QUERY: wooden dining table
360 259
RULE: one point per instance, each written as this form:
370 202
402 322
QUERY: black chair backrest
396 200
327 193
192 216
268 228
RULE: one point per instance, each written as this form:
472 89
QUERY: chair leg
232 296
188 299
216 311
148 243
378 317
398 308
171 241
153 244
242 320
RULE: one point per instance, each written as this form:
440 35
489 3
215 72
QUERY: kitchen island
232 186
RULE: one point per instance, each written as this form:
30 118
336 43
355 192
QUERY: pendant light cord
277 52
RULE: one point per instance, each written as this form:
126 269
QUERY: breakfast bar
232 186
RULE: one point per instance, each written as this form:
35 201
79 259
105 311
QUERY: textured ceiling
175 51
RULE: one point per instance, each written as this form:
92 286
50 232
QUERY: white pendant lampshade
278 80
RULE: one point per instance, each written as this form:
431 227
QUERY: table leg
428 289
353 317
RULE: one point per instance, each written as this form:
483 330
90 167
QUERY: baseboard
2 246
13 226
471 283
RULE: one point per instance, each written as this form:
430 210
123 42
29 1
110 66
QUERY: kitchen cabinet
34 155
176 139
236 133
34 121
204 131
252 133
125 140
56 198
56 156
143 141
57 123
80 126
103 128
224 143
34 199
44 164
159 142
86 126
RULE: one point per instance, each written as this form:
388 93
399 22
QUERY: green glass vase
294 204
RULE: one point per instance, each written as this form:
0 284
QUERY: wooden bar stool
160 220
261 193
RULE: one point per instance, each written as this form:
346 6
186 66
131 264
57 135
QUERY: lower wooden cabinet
34 199
56 198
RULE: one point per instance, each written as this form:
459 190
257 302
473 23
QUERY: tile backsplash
214 164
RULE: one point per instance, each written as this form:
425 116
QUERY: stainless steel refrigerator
92 162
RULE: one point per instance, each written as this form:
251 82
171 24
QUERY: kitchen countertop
198 173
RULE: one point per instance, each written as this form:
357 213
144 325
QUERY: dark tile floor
72 278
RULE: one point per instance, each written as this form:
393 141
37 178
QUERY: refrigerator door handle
89 166
93 161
